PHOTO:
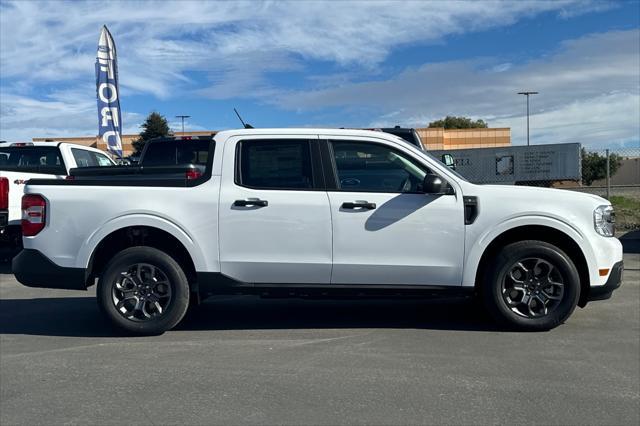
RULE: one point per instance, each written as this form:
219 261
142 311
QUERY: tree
594 166
155 126
451 122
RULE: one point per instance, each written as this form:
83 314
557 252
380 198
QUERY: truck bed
133 175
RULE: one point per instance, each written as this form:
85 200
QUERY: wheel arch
140 230
135 236
546 233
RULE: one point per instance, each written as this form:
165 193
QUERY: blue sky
332 64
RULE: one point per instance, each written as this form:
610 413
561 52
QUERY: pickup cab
22 161
319 213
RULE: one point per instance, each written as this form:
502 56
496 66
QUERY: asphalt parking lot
251 361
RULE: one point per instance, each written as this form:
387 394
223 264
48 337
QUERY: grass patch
627 212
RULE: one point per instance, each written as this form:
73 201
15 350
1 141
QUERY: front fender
140 219
477 246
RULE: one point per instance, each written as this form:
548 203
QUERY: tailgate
17 182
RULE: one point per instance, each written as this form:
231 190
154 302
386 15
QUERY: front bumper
33 269
605 291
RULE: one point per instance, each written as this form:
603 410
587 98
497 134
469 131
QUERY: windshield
37 159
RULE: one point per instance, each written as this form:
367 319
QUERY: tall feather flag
107 91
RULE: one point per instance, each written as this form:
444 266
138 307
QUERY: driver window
371 167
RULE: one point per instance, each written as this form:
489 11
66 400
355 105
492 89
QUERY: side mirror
448 161
433 184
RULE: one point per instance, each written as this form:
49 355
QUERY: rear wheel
143 291
532 285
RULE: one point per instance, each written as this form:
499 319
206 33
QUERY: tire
523 276
143 291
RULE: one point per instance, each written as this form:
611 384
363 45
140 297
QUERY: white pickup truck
317 212
22 161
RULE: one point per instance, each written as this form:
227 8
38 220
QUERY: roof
53 144
27 144
306 131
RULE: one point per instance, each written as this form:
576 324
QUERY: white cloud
56 41
502 67
236 45
609 120
591 85
61 115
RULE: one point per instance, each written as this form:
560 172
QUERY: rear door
274 219
386 231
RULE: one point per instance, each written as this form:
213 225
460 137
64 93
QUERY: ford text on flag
109 116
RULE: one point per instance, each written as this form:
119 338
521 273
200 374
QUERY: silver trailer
539 165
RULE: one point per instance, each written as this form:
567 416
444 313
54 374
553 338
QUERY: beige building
127 140
438 138
433 138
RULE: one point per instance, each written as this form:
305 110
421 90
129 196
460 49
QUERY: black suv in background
161 158
176 151
409 135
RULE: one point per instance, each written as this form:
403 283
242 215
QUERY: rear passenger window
275 164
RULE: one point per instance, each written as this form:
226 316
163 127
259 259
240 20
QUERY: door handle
359 205
251 203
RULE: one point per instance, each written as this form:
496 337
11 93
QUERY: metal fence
620 183
610 173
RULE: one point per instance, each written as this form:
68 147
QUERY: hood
534 192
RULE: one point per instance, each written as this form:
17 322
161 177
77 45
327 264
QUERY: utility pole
527 95
608 175
183 117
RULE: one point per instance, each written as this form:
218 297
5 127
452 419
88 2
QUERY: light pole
527 95
183 117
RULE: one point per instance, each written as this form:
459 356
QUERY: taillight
4 193
193 174
34 214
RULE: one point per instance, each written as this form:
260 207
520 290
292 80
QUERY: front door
385 229
275 222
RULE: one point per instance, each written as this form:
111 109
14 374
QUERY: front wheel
143 291
532 285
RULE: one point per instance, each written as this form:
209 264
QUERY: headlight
604 219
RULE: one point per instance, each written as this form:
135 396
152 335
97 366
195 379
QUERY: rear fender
89 246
